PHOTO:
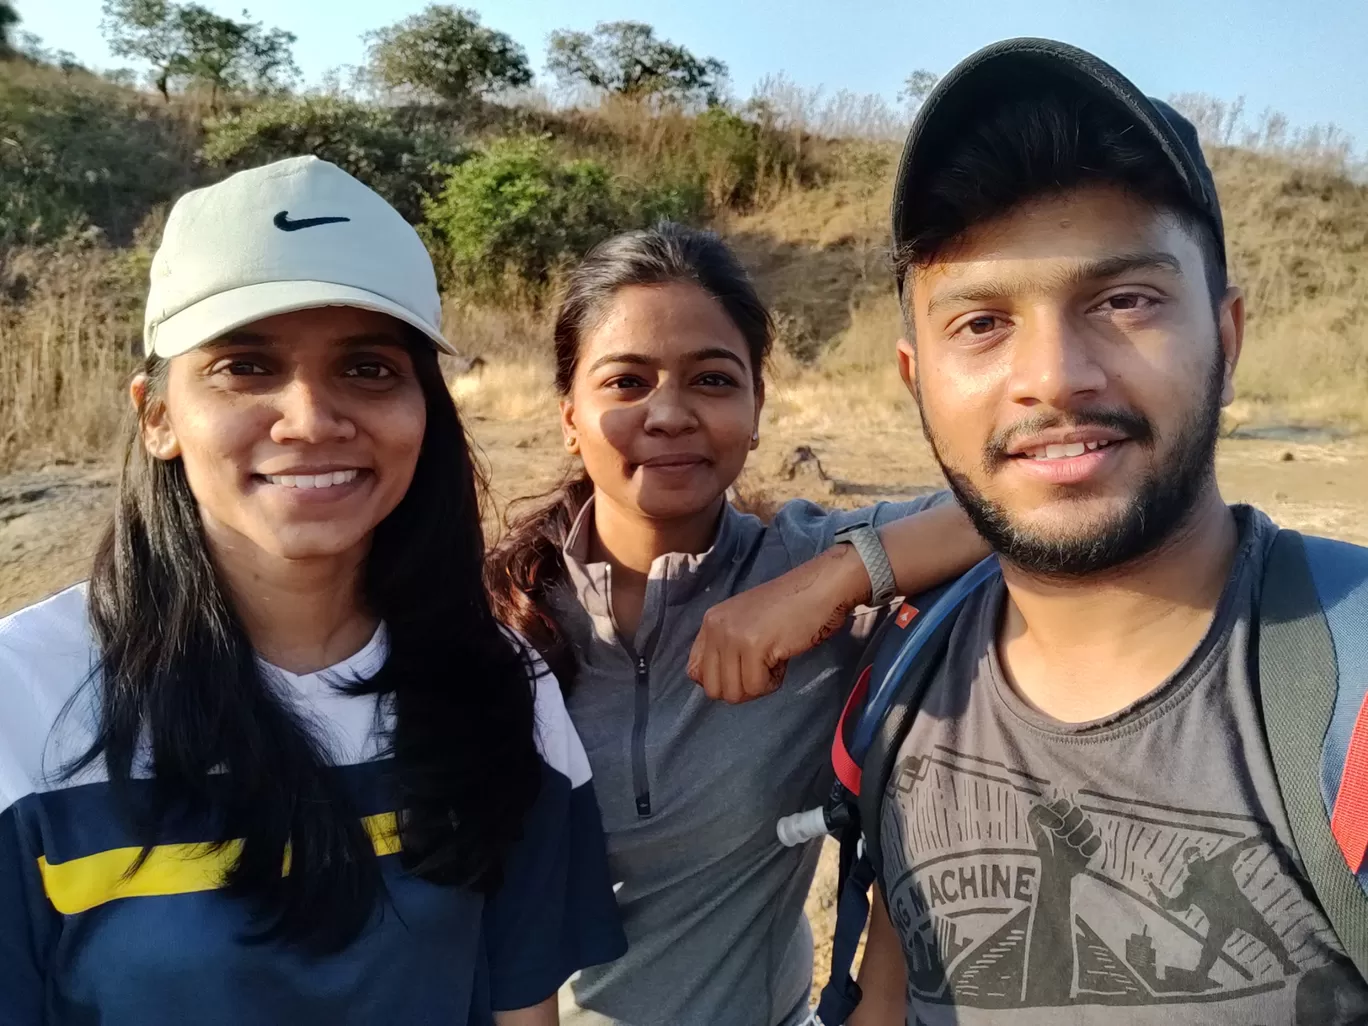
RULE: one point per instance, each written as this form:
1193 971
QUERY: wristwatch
864 539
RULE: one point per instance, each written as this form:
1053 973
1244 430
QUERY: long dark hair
178 674
527 563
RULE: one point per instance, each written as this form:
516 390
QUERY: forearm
924 549
883 973
545 1014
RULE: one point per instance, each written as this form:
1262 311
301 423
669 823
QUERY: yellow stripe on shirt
78 885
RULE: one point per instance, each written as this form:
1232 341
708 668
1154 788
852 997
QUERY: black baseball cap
1014 67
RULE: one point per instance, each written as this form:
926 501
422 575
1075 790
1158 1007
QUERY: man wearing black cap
1084 824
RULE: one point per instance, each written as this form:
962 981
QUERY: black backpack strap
841 995
1298 684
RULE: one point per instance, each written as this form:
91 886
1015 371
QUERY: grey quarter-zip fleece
690 789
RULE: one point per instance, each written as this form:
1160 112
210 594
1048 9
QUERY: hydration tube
802 827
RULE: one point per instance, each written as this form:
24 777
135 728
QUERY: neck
301 615
1080 650
630 542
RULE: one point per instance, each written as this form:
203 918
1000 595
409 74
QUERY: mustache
1134 425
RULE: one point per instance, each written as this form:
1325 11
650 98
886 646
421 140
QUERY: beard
1161 504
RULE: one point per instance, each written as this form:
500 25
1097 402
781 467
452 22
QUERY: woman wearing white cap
276 762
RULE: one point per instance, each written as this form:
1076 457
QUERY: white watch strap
866 541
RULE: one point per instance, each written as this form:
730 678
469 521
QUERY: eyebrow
255 339
1087 271
697 356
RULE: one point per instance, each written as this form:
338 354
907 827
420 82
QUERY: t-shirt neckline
364 662
1167 695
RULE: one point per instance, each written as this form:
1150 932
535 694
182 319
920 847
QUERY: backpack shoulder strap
1313 673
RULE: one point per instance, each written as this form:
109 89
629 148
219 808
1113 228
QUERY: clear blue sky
1307 58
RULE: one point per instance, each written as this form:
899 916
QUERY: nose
669 413
310 412
1055 362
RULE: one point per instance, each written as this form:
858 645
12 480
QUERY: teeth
1064 451
336 477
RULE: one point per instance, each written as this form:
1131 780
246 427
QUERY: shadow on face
665 402
298 433
1070 365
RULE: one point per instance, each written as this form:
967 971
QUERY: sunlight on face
1070 374
298 433
664 402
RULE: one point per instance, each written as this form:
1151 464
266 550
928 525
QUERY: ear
158 437
569 432
907 365
1232 324
759 409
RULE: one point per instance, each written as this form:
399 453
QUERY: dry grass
68 328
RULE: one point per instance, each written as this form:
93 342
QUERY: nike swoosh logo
283 222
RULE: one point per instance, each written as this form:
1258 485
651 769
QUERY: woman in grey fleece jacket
660 342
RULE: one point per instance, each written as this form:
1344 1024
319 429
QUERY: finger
709 677
695 667
729 667
757 676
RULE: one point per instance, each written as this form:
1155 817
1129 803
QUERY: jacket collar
682 574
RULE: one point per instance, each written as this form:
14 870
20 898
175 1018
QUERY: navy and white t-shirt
84 941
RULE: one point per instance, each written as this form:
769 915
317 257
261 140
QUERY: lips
674 462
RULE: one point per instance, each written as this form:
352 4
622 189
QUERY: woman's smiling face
665 403
298 433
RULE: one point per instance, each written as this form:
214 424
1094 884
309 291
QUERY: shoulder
47 652
557 740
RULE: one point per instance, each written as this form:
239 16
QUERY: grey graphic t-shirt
1133 870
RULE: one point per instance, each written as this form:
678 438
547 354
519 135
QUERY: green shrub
75 150
399 156
511 218
728 150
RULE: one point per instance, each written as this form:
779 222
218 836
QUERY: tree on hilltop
626 58
444 51
189 41
9 18
917 88
229 55
149 31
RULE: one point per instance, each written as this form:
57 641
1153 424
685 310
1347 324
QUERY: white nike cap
294 235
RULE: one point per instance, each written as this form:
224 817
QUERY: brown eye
716 379
370 371
242 368
1126 302
981 325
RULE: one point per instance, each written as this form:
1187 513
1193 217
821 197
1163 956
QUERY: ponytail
528 563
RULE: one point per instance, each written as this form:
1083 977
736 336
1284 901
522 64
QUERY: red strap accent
1349 823
847 769
906 615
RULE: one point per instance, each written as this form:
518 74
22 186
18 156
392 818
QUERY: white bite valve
802 827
